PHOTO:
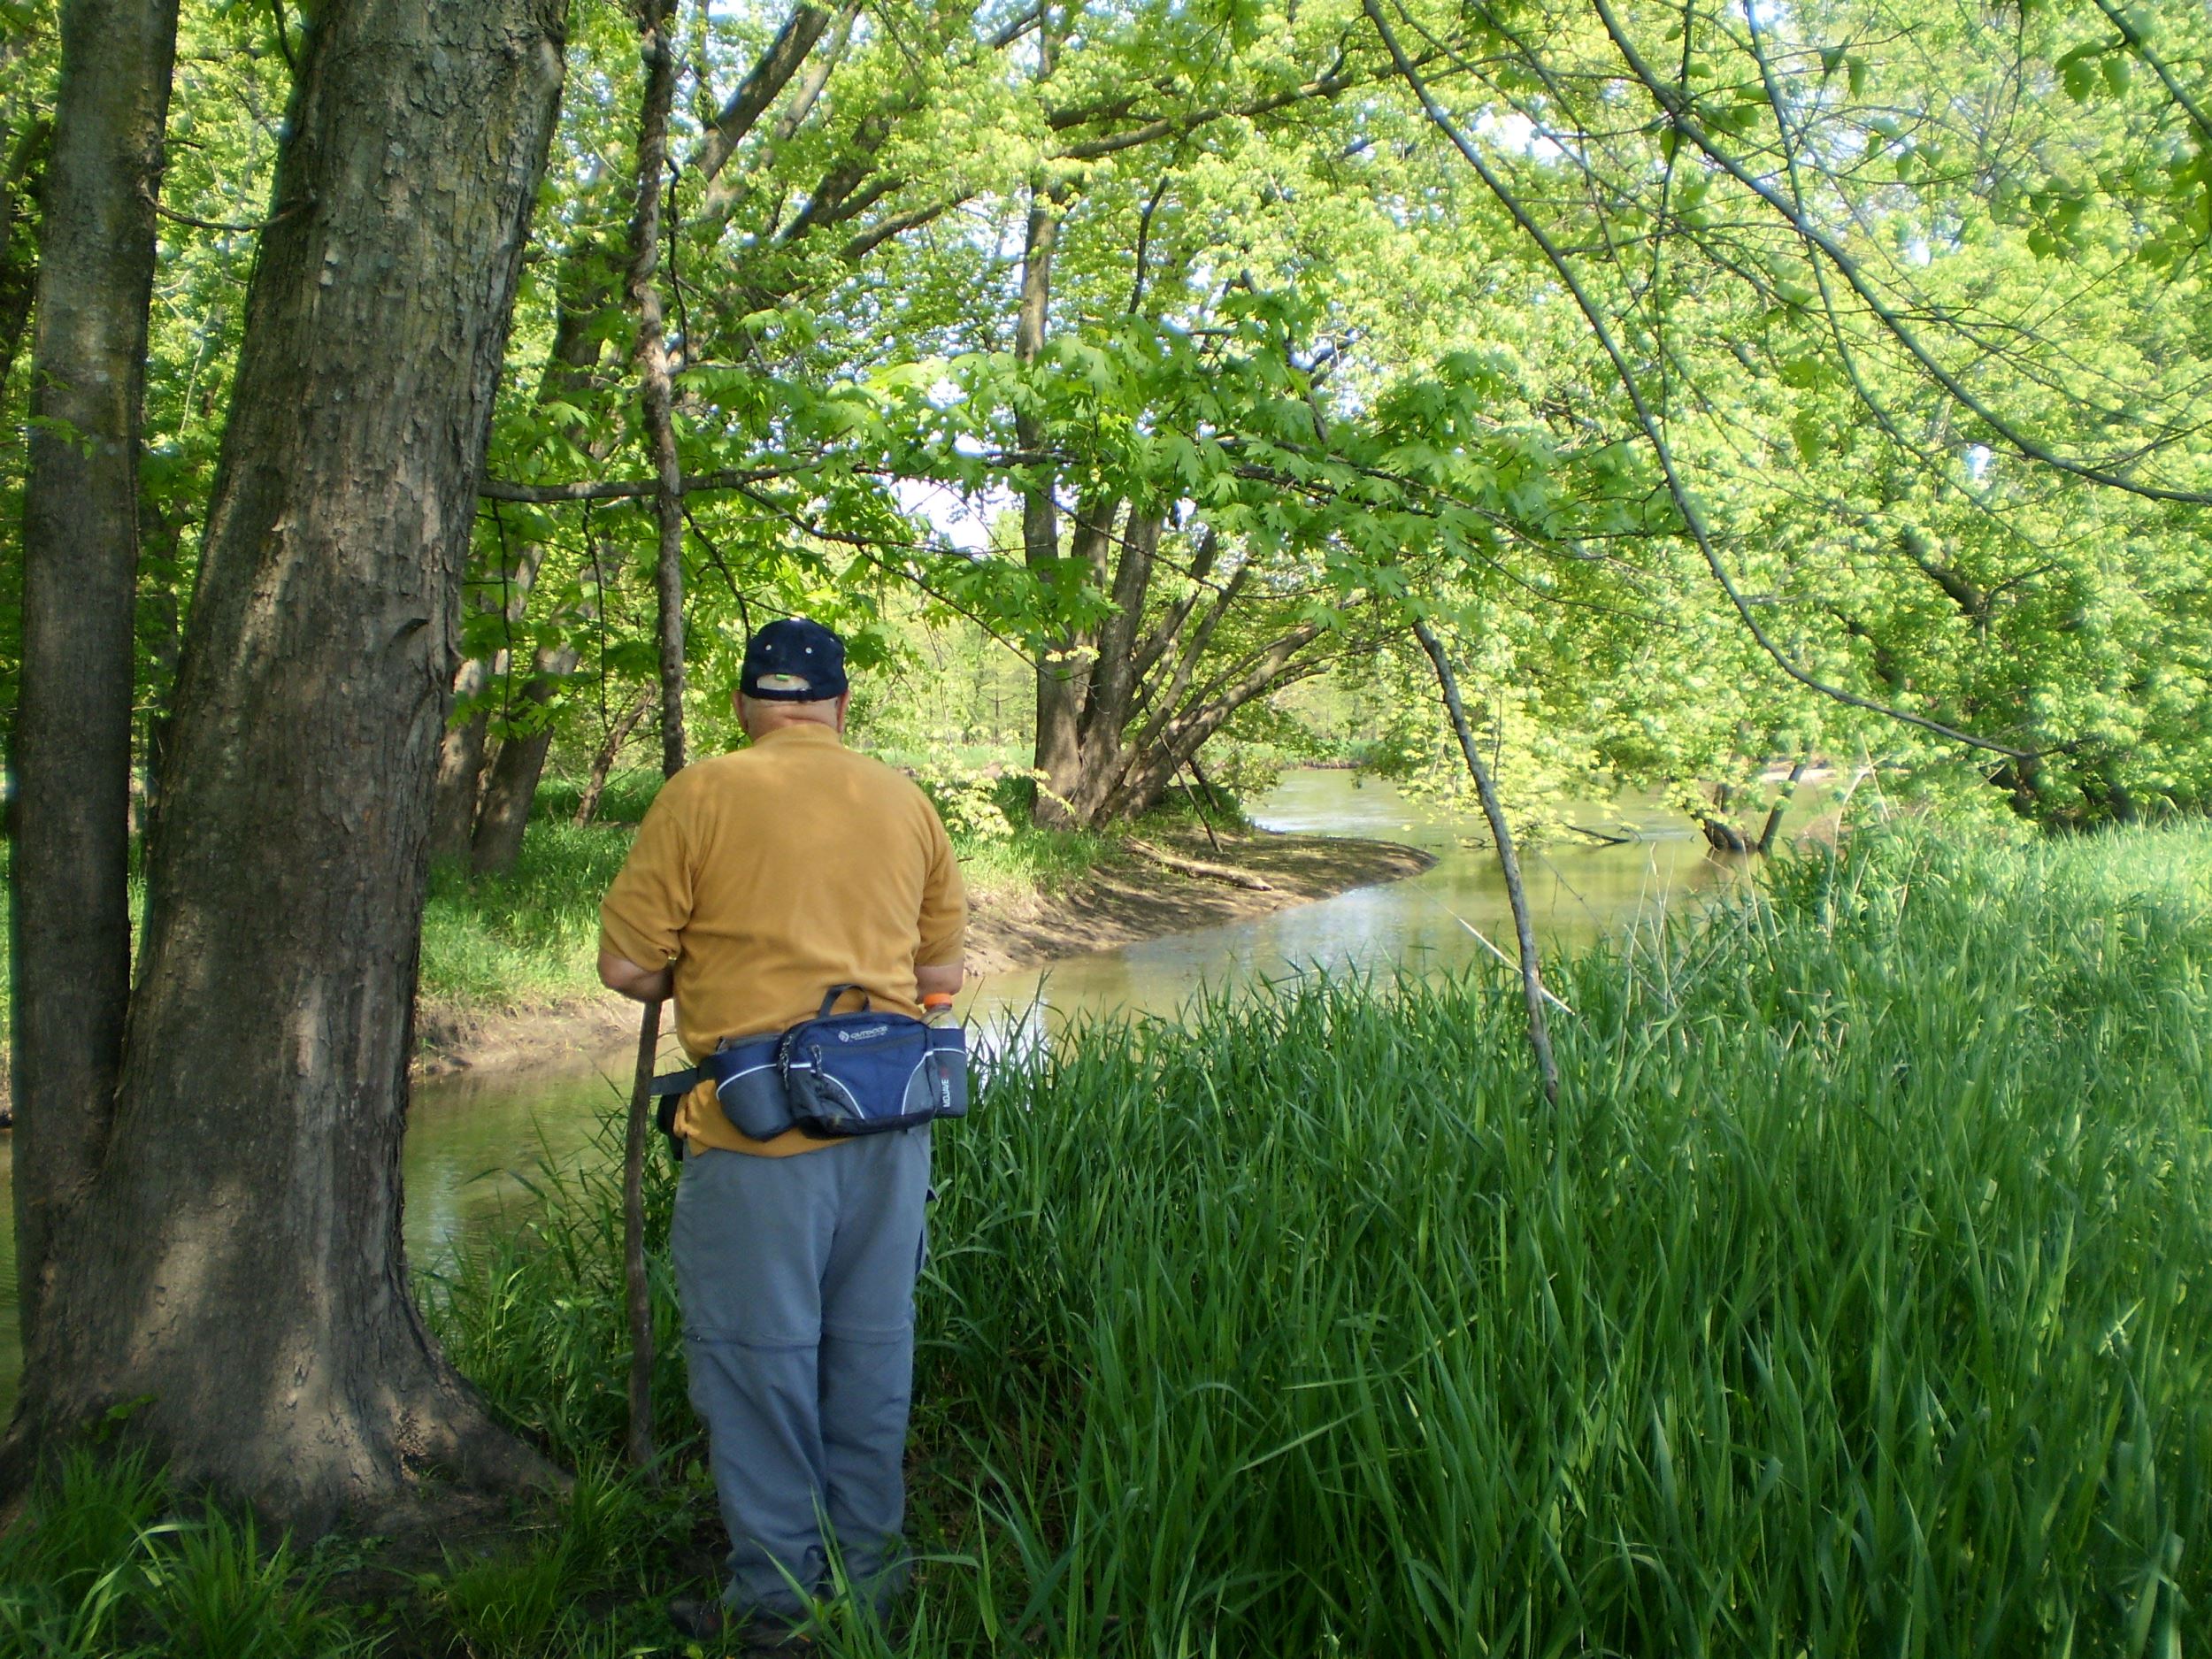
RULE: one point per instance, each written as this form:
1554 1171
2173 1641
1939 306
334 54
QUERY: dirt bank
1127 899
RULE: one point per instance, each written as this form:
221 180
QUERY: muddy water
482 1148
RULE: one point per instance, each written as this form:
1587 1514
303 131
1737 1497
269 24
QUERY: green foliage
530 935
101 1567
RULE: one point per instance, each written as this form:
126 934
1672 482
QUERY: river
480 1145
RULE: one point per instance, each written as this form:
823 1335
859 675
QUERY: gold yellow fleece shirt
768 875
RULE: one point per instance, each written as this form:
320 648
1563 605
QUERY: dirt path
1126 900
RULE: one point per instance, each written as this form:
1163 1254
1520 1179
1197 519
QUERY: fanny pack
834 1075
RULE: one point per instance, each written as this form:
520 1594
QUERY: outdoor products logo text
862 1036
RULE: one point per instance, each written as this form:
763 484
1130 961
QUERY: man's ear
844 700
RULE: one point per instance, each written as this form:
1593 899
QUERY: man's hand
944 979
640 984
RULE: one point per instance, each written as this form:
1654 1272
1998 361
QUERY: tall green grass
1854 1301
530 936
1844 1307
105 1565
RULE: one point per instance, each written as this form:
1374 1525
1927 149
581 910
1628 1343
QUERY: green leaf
2117 72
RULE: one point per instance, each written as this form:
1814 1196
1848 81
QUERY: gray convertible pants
796 1279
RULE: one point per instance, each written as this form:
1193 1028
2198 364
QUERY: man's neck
773 727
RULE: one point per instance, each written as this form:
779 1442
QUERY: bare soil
1126 899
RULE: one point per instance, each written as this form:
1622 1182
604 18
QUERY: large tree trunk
73 732
513 783
235 1269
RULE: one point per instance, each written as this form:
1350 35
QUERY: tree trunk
235 1271
655 387
459 782
72 732
610 751
1056 750
1781 805
513 784
1532 991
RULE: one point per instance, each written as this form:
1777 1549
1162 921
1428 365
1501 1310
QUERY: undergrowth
1852 1301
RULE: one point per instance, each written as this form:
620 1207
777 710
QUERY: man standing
758 880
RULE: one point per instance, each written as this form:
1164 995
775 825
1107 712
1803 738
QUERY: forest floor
1121 899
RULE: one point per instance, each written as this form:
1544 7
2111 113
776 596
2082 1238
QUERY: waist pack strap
668 1092
836 991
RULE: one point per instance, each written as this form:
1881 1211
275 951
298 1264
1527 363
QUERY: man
758 880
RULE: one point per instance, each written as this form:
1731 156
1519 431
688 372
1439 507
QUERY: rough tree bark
234 1268
72 732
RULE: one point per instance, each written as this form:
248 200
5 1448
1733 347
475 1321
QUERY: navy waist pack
834 1075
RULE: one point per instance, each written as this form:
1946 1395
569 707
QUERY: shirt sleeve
944 900
645 910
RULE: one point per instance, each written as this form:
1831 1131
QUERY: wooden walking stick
639 1447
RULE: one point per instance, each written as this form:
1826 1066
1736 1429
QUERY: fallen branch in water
1199 867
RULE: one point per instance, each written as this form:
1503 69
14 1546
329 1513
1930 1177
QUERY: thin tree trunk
656 395
1056 752
637 1286
1523 931
235 1273
1781 804
610 751
656 386
72 732
513 785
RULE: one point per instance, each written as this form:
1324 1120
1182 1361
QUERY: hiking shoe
773 1638
702 1619
698 1617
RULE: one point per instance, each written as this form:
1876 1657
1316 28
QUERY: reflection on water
1575 893
479 1147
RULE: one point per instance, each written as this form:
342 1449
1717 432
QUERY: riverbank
1018 918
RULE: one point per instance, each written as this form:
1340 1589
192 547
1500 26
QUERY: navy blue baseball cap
794 660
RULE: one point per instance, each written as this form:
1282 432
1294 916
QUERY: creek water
482 1146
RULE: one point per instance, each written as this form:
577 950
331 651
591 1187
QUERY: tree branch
1692 517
